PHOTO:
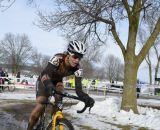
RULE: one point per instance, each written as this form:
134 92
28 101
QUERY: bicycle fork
57 116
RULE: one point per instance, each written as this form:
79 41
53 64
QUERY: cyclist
59 66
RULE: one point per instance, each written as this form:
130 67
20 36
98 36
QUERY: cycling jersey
56 70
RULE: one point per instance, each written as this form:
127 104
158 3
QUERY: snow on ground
109 111
106 112
19 96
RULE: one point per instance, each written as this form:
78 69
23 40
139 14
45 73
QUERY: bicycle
9 86
57 121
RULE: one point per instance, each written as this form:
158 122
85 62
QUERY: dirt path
14 114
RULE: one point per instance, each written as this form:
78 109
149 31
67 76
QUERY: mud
14 114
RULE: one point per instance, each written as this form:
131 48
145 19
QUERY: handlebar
73 97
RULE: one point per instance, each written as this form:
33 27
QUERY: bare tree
112 68
97 17
87 68
143 34
39 62
142 39
5 4
16 50
119 71
1 54
99 73
156 48
92 57
150 23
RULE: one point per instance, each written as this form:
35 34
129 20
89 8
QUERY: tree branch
113 30
149 42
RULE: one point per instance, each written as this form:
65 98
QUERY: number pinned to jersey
54 60
78 73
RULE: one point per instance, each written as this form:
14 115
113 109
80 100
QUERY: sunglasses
77 57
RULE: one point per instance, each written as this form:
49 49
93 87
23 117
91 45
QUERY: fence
102 88
17 82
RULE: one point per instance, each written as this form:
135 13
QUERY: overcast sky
19 19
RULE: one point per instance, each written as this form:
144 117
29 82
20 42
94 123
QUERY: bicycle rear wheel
62 122
11 88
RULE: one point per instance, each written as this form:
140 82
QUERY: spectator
18 76
72 82
85 83
138 87
93 82
2 74
96 84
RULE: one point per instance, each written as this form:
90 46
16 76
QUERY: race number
54 61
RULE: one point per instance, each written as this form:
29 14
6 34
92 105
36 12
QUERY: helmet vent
76 47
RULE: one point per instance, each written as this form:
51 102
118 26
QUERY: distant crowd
4 78
70 83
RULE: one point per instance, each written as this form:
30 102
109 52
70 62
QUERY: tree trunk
14 69
129 100
150 74
149 67
157 68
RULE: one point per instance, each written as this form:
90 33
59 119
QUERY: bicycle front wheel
64 123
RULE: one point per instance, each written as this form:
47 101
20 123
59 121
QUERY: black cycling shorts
41 90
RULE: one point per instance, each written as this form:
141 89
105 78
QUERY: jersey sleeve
52 66
50 70
55 60
78 83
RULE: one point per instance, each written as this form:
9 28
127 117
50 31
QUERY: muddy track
14 114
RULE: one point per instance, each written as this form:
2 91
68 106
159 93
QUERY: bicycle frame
59 115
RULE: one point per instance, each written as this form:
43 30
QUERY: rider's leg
58 98
37 111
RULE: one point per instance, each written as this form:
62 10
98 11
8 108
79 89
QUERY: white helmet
76 47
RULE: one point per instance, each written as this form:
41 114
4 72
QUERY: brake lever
90 110
91 107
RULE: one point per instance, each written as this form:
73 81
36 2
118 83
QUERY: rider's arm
48 72
78 84
89 102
